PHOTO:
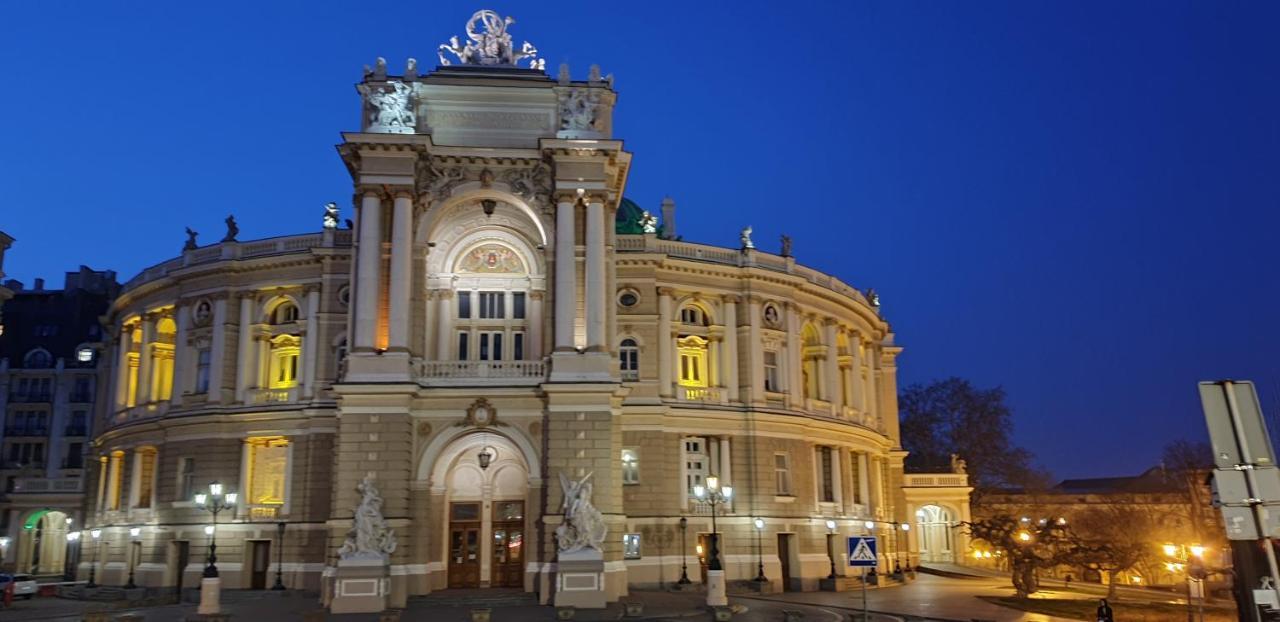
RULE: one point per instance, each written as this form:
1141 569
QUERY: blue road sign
862 551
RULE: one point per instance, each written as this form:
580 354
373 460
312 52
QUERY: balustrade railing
464 373
273 396
698 394
47 485
935 480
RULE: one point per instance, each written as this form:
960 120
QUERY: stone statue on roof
232 229
191 240
392 104
331 215
745 238
491 46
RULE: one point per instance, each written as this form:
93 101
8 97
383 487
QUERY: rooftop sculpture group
492 46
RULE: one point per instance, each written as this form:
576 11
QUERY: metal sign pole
865 617
1247 456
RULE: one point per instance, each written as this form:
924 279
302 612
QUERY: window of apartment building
782 474
26 454
629 359
75 456
630 466
771 371
826 481
268 471
82 391
38 359
79 424
144 474
186 478
203 357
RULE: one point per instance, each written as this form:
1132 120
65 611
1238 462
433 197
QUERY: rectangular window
631 546
491 305
517 305
630 466
696 462
517 346
203 356
186 478
146 476
75 456
82 392
825 470
782 474
464 305
491 346
771 371
464 353
268 469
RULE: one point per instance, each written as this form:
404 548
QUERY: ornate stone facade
483 331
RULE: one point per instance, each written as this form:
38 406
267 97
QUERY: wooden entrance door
261 562
784 556
508 544
181 557
464 544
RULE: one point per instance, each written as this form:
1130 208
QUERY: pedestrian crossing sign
862 551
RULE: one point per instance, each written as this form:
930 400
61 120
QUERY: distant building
5 293
1159 507
49 378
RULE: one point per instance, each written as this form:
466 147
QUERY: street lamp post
279 557
760 578
684 568
133 537
93 563
831 529
213 502
714 494
1188 559
73 557
906 551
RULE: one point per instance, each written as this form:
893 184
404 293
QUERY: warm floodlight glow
1170 550
1024 536
1197 550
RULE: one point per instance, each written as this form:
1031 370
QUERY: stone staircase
477 598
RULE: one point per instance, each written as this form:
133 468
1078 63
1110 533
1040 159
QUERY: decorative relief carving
391 107
772 316
532 184
488 119
436 184
579 108
491 259
480 414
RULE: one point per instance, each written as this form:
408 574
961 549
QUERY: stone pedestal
580 580
715 589
210 596
360 586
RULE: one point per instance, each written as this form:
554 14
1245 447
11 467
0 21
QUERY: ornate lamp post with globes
213 502
684 568
714 494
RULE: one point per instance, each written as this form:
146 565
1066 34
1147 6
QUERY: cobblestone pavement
928 598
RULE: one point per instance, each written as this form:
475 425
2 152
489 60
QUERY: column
217 349
832 367
181 354
795 358
665 356
869 394
368 271
122 367
855 372
533 338
401 270
757 352
144 360
837 478
444 315
566 285
729 353
726 462
244 353
595 282
864 480
310 342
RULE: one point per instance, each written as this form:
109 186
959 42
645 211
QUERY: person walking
1104 612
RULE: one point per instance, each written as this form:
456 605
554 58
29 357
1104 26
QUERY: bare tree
1029 544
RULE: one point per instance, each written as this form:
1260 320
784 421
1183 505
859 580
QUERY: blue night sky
1075 200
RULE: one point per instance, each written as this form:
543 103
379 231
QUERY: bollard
480 615
565 613
633 609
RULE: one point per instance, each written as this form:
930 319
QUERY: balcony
710 395
272 396
702 508
264 511
631 375
46 485
935 480
30 398
25 430
141 411
481 373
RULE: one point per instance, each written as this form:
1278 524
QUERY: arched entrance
934 530
42 544
486 510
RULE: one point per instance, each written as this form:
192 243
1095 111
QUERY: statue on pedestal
786 246
232 230
330 215
191 240
648 222
745 238
369 538
392 104
583 526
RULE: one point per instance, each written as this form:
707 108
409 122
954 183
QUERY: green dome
627 220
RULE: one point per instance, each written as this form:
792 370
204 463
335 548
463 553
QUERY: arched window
693 316
629 359
284 313
809 368
283 368
38 358
493 302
